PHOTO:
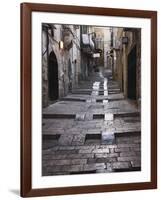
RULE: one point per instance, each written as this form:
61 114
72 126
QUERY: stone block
101 160
89 116
66 152
59 162
104 150
88 101
106 155
128 145
78 140
109 167
93 100
107 137
78 161
74 168
131 158
86 150
109 117
66 148
121 165
112 150
106 93
122 149
65 139
136 163
80 117
81 156
105 101
91 167
130 153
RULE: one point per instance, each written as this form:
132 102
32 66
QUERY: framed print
88 99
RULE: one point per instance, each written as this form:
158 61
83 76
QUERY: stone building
93 49
87 51
102 44
96 126
60 60
70 53
126 51
107 40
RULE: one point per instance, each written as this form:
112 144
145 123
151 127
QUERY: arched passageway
53 84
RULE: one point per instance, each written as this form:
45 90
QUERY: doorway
132 74
53 77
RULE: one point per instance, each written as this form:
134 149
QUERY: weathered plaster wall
68 61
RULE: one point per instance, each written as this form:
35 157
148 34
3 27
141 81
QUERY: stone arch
53 83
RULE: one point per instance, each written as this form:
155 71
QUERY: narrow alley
93 129
91 99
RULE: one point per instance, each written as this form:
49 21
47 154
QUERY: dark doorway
132 74
53 77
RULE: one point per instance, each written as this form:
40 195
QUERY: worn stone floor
92 130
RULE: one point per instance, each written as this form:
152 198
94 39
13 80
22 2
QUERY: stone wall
121 59
135 40
44 68
118 57
68 59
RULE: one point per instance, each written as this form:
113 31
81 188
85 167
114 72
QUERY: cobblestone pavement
92 130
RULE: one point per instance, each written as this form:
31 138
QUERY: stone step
93 139
110 100
82 89
124 167
73 99
58 116
81 92
127 133
85 100
113 92
127 114
117 115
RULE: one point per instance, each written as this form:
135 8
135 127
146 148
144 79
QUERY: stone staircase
92 130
